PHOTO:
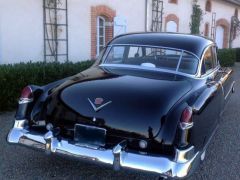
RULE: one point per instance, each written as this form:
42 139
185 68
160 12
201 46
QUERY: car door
218 79
225 78
210 99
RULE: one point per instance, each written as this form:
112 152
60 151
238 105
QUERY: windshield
152 57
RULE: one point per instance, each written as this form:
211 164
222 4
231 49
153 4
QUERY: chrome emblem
98 104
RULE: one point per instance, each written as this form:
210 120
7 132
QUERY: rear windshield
153 57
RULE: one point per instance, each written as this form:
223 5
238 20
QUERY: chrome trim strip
179 62
185 126
25 100
105 55
199 73
88 126
145 68
230 90
118 157
210 73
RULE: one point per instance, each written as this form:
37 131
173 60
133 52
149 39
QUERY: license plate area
89 136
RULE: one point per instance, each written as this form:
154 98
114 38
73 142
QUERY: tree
196 18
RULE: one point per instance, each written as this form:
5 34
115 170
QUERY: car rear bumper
178 167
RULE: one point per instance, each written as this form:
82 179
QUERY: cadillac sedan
151 102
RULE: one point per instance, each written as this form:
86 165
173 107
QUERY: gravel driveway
222 159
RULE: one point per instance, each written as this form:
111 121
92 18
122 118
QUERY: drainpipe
231 34
146 13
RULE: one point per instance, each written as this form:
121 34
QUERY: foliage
238 54
14 77
196 18
227 57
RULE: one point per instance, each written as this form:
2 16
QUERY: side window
155 52
135 52
208 61
116 55
189 64
215 58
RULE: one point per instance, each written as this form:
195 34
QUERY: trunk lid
133 103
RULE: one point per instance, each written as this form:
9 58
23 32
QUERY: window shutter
120 25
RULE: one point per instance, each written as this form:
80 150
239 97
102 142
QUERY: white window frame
98 33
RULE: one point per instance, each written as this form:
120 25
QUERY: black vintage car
151 102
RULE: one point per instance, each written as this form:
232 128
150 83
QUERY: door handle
210 81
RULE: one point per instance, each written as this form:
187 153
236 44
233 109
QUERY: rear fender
171 124
24 109
40 94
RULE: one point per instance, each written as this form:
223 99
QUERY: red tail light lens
27 93
186 118
187 115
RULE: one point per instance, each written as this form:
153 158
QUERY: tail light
186 118
26 95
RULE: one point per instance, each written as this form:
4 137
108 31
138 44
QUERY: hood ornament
98 104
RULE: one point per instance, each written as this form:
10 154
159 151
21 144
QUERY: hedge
14 77
238 54
227 57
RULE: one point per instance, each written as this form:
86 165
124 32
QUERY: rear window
153 57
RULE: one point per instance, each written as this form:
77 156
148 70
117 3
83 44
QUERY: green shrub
14 77
238 54
227 57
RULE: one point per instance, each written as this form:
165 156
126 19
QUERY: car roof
191 43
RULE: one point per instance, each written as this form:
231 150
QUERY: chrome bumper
117 157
